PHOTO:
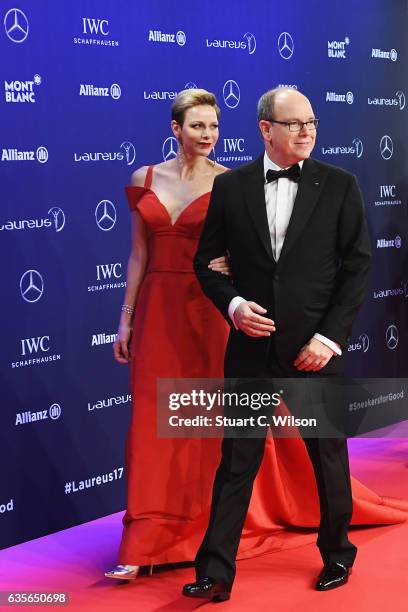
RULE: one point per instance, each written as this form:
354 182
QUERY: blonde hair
188 98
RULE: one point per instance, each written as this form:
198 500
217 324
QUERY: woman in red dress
178 333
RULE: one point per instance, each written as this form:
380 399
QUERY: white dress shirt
279 197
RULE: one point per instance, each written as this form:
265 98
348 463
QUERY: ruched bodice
171 246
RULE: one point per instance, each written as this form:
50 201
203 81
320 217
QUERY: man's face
283 146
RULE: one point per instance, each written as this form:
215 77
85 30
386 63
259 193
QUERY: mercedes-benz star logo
105 215
391 337
286 46
358 144
231 93
365 342
31 286
16 25
169 148
58 217
130 152
386 147
251 40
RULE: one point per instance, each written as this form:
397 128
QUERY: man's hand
247 317
313 356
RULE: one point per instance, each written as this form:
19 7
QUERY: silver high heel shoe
126 572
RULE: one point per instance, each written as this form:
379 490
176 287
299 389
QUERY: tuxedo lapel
253 181
310 187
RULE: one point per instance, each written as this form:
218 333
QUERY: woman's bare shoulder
139 176
219 169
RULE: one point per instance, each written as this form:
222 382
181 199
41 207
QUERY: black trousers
232 490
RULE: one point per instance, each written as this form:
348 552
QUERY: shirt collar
270 165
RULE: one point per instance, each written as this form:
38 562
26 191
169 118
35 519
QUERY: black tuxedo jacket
320 279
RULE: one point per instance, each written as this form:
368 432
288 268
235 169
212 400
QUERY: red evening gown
177 332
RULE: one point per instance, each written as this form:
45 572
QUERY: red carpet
74 560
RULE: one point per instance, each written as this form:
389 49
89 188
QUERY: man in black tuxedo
299 251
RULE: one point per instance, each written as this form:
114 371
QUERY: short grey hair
266 103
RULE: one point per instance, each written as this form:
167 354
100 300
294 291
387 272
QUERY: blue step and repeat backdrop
85 91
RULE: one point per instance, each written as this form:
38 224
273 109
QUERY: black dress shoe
332 576
207 588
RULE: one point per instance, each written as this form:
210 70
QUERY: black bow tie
292 173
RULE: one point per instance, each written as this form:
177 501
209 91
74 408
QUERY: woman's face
199 132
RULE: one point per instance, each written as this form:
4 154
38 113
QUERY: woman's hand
220 264
121 350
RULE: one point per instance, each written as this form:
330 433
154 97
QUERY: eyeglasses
296 126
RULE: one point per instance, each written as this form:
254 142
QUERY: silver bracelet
128 309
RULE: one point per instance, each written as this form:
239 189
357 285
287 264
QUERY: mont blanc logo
169 148
357 149
23 418
389 55
332 96
384 243
386 147
95 32
16 25
16 155
338 48
31 286
94 91
161 37
398 101
391 337
21 91
363 344
105 215
286 46
248 43
56 221
233 150
231 93
127 154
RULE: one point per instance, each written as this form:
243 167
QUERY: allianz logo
12 155
7 507
21 91
98 339
110 401
332 96
56 221
356 148
398 101
383 243
23 418
337 48
88 89
379 54
363 344
162 37
248 43
379 294
125 153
